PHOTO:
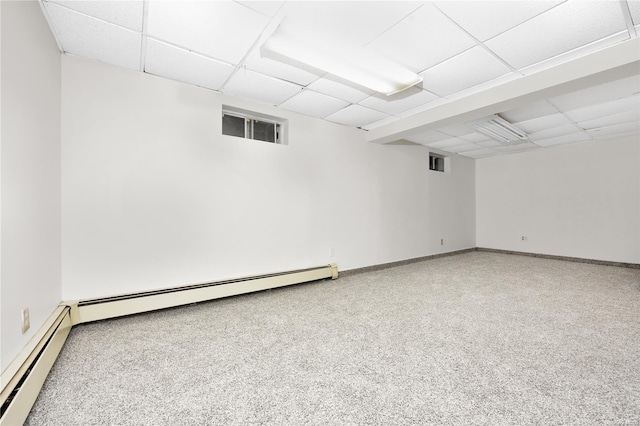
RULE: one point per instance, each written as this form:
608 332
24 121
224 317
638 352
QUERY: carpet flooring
477 338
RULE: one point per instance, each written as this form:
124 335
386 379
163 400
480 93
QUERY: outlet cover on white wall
26 321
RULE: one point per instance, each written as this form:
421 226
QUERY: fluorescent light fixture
500 129
349 63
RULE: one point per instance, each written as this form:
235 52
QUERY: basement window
252 125
437 162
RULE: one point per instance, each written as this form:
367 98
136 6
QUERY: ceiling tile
630 103
453 75
612 120
124 13
565 27
339 90
92 38
428 137
252 85
476 138
485 85
400 102
528 112
375 124
543 123
488 144
464 148
457 130
401 142
617 130
278 69
179 64
479 153
554 132
517 148
634 8
598 94
447 143
445 150
220 29
313 103
565 139
357 22
356 116
267 8
486 19
416 41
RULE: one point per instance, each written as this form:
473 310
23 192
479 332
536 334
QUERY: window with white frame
251 125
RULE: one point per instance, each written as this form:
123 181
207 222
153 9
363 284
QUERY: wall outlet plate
26 321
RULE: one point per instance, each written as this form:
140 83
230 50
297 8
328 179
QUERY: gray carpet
476 338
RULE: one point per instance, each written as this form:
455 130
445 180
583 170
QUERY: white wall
30 164
580 201
155 196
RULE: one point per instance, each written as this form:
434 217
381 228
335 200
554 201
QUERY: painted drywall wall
155 196
30 163
580 201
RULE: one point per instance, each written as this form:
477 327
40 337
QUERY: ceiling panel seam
258 11
561 111
628 19
77 12
527 20
241 63
479 43
186 49
393 25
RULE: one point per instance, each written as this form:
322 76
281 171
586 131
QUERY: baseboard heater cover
20 391
128 304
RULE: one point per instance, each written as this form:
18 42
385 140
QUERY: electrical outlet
441 241
524 238
26 322
332 252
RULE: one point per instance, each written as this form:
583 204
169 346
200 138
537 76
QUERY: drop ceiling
460 48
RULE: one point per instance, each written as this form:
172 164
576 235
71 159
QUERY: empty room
319 212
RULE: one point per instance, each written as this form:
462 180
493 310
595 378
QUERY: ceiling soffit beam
616 62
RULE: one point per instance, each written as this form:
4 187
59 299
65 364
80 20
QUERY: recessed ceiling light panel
499 129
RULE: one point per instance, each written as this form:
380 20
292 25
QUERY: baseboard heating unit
23 379
128 304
